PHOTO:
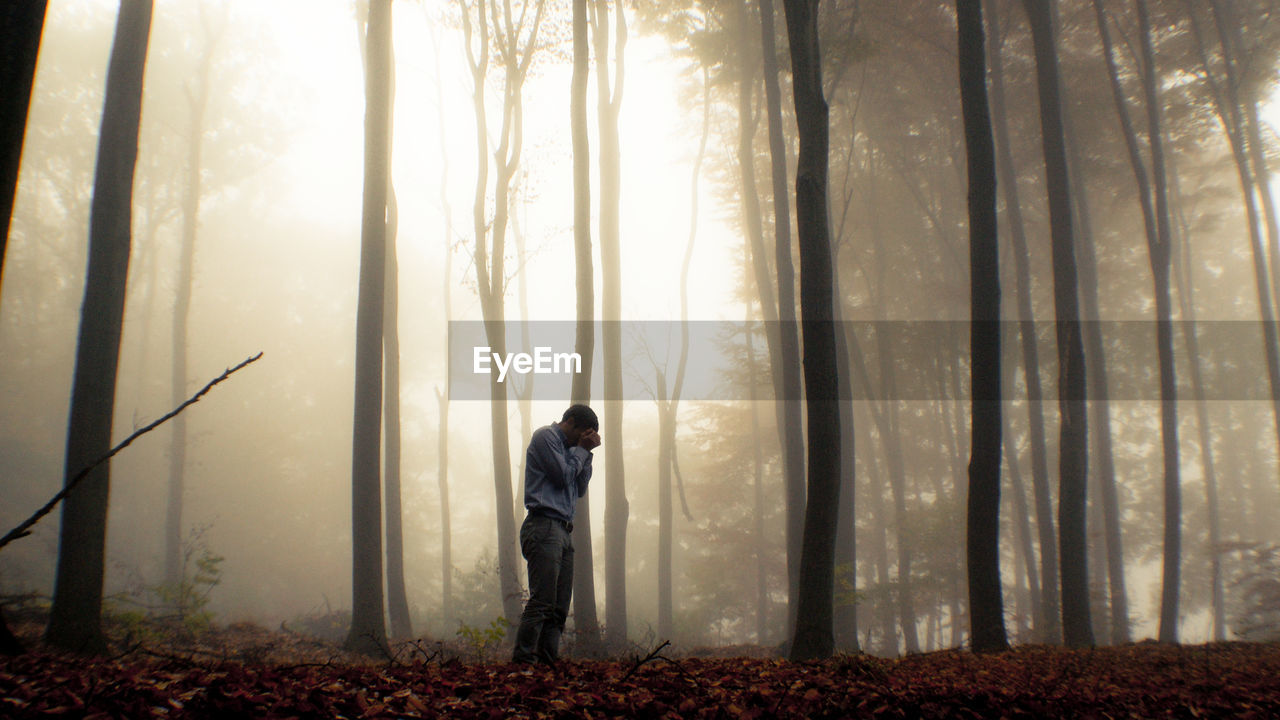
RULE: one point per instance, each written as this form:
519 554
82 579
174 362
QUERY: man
557 470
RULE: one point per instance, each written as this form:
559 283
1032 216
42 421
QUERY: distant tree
813 635
1154 200
197 102
617 510
442 397
368 626
986 603
75 620
585 618
21 25
1073 430
515 40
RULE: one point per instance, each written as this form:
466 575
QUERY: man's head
577 420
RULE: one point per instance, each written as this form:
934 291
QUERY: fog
268 471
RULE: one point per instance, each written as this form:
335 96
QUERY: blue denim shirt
555 476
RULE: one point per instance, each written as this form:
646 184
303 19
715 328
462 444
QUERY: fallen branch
24 529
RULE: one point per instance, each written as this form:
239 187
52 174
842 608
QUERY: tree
617 510
368 627
1154 201
509 34
1073 430
787 392
1048 615
585 618
21 25
986 603
813 634
198 102
75 621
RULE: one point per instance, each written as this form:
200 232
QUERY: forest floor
247 671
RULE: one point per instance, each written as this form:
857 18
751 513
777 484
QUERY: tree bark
986 602
1073 433
813 635
75 621
21 25
368 625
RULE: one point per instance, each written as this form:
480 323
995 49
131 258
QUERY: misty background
268 469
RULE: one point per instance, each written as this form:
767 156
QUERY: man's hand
590 440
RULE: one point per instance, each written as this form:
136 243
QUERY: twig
25 528
653 655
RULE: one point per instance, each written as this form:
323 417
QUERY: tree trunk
1159 249
1048 613
1099 391
75 621
1073 433
986 602
585 618
757 487
1183 276
21 25
198 100
789 393
442 438
813 635
617 510
368 626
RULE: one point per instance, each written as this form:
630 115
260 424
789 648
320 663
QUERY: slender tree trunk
442 397
617 509
1073 432
1048 624
1159 249
757 455
585 618
1183 276
198 100
986 602
21 25
813 635
75 621
368 626
788 436
1099 391
397 594
788 342
1022 521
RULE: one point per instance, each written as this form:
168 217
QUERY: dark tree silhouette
813 635
75 620
368 626
1073 432
986 603
21 25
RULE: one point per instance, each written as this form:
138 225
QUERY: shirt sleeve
560 468
584 475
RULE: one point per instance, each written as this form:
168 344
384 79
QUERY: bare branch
24 529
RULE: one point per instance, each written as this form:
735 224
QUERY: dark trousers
548 548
